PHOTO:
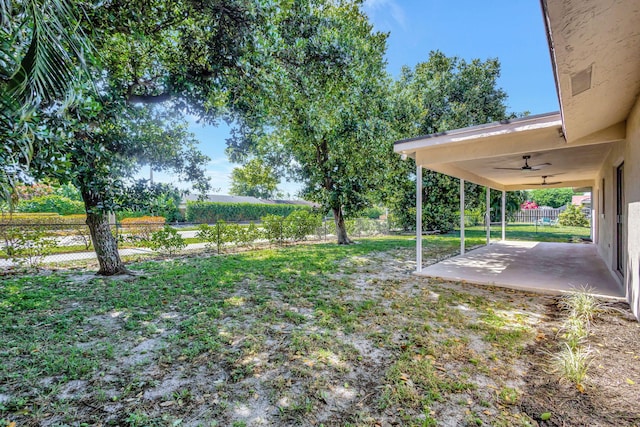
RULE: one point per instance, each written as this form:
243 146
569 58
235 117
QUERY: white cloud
221 161
379 12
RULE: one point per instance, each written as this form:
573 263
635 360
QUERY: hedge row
209 212
42 218
51 203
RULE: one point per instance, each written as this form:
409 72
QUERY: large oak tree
156 60
440 94
321 117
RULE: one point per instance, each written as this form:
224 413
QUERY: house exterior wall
632 199
627 151
606 206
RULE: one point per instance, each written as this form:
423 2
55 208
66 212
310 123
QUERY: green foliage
167 240
372 212
216 236
255 179
153 199
473 217
573 217
211 212
273 228
42 48
438 95
366 227
26 246
51 203
69 191
322 118
554 197
301 223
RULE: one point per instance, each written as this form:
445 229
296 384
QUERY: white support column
462 217
418 218
488 215
504 214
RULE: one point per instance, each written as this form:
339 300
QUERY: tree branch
149 99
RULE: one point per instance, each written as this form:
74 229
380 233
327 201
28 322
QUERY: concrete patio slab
534 266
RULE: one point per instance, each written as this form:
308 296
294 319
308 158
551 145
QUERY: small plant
82 235
216 236
137 418
300 224
273 228
209 235
508 396
572 363
575 331
573 217
167 240
26 246
582 305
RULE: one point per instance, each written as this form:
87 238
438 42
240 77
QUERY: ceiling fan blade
511 169
540 166
542 184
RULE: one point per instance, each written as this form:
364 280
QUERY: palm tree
43 48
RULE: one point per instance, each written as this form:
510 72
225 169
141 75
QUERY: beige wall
629 152
632 195
606 214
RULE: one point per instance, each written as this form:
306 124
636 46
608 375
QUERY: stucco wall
632 195
607 213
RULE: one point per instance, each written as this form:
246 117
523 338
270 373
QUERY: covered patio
532 266
518 154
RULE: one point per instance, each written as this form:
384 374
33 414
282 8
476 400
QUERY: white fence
533 215
530 216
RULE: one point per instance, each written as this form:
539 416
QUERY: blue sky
510 30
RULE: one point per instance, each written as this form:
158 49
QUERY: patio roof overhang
476 153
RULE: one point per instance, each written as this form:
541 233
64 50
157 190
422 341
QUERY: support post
418 218
488 215
504 214
462 217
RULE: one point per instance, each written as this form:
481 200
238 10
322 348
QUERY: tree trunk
341 230
104 242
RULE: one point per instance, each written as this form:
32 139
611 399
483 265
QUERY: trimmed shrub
51 203
248 234
167 240
573 217
211 212
272 226
300 224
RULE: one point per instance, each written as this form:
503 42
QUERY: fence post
218 233
324 226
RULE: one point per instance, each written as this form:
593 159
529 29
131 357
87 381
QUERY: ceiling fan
526 166
544 181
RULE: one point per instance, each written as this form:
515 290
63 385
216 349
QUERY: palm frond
56 51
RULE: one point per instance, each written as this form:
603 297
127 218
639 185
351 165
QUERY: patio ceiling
476 153
595 52
595 56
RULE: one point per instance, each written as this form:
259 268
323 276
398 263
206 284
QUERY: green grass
475 235
224 313
529 232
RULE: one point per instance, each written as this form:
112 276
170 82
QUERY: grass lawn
531 232
316 334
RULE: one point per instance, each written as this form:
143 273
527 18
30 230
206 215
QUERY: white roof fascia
462 135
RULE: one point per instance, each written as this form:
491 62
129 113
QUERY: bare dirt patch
368 345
